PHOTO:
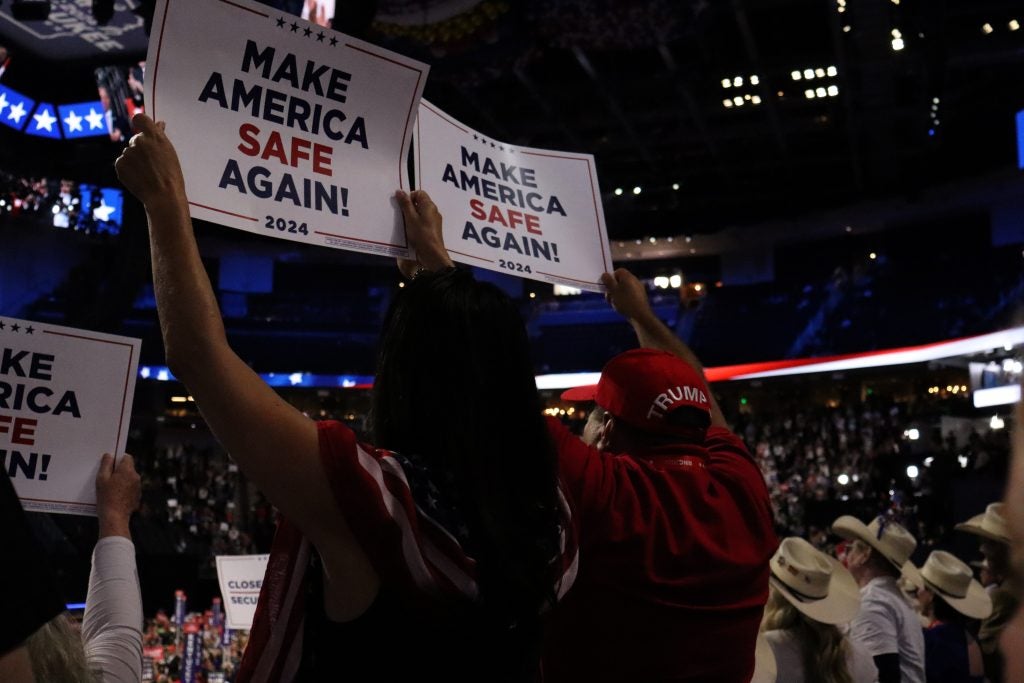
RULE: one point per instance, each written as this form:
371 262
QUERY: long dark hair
455 387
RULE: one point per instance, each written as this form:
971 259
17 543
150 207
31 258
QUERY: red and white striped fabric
403 527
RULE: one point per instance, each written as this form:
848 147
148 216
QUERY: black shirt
28 590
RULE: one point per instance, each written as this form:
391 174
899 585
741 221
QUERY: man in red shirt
673 520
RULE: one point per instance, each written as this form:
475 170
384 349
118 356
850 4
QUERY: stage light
102 11
618 191
872 256
912 471
636 190
676 281
833 91
1014 25
808 74
996 422
30 10
986 28
726 83
689 238
670 238
738 101
738 81
843 479
675 186
847 28
756 99
819 72
832 72
727 104
809 94
962 459
796 75
653 240
897 44
533 295
912 434
820 92
661 282
754 80
928 461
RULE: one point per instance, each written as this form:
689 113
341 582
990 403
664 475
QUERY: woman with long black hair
431 554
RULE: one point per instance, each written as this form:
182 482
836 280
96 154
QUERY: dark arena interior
823 200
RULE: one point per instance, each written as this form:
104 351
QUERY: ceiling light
796 75
897 44
675 186
833 90
820 92
661 282
1014 25
847 28
676 281
727 103
738 101
809 94
726 83
756 99
819 72
653 240
872 256
808 74
754 80
832 72
636 190
618 191
896 33
986 28
738 81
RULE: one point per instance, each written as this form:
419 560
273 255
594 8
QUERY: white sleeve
874 629
112 626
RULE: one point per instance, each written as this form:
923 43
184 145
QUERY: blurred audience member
811 594
886 626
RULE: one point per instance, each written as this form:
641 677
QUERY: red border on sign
211 208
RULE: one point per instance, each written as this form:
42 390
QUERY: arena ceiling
721 112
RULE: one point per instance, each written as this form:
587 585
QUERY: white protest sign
65 400
241 577
530 212
283 127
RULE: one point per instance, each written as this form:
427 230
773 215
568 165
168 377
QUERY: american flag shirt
412 532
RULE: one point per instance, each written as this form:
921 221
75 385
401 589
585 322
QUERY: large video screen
120 92
88 208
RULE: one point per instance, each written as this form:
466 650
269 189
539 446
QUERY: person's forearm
651 333
190 320
114 525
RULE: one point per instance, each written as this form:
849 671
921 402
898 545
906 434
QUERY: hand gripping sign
65 399
530 212
241 577
284 128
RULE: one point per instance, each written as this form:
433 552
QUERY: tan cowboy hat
890 539
951 579
991 524
814 583
766 670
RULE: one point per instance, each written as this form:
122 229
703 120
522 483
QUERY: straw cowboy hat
890 539
814 583
951 579
991 524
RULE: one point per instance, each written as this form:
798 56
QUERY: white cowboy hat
814 583
991 524
890 539
766 670
951 579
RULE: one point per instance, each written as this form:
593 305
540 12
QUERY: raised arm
628 297
423 229
274 444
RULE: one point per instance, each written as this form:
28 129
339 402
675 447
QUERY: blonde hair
57 653
823 649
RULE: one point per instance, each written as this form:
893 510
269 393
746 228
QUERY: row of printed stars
306 31
15 327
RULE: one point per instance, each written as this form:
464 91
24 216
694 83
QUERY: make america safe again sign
283 127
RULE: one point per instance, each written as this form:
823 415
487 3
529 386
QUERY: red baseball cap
642 386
